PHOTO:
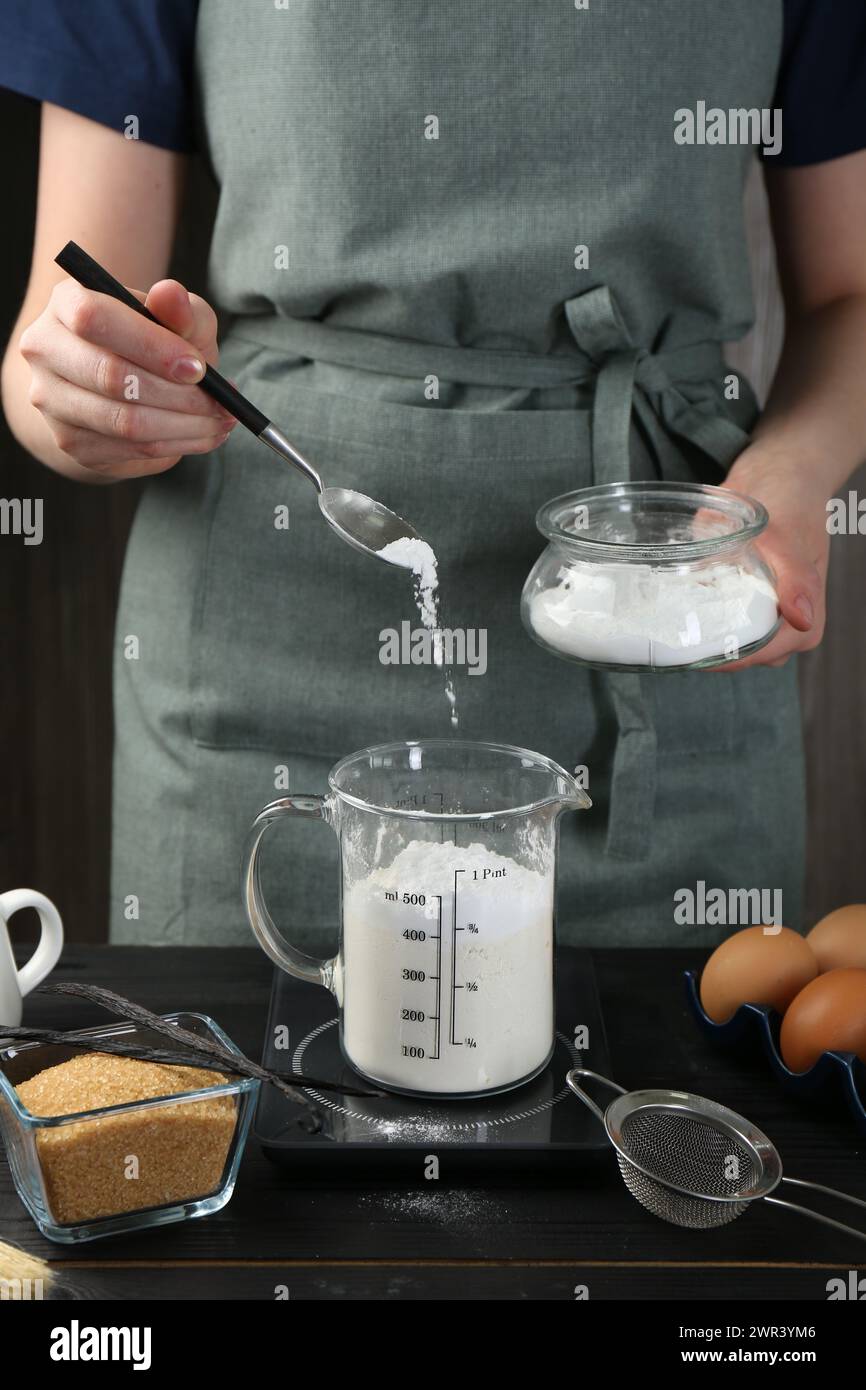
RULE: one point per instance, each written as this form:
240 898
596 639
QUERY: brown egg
839 939
829 1015
759 965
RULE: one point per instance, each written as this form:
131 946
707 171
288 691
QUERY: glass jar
651 576
61 1161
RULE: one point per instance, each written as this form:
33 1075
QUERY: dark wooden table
532 1241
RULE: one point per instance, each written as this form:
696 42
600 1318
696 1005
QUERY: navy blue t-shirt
107 59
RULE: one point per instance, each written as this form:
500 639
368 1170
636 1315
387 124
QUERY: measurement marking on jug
454 984
416 975
438 977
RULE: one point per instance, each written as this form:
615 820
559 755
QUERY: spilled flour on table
458 1209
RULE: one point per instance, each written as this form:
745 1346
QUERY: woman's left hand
796 544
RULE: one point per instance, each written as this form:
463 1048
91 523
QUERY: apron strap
631 378
611 416
633 776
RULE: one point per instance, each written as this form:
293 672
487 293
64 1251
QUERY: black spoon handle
93 276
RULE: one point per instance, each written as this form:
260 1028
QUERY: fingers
801 594
115 389
105 455
801 601
106 323
187 315
801 591
116 378
131 426
800 585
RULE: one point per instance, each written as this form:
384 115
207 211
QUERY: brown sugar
141 1158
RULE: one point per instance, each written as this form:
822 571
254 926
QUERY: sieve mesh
685 1151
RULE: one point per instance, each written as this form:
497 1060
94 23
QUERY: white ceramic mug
15 983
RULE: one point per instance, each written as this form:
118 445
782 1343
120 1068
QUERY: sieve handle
586 1074
816 1215
827 1191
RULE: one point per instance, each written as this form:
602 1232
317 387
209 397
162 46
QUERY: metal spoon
360 521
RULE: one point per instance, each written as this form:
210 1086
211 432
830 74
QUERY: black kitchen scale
539 1125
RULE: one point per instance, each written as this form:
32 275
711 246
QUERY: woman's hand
117 391
796 544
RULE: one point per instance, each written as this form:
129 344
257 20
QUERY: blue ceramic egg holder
834 1074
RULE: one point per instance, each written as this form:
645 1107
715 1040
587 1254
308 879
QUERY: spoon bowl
362 522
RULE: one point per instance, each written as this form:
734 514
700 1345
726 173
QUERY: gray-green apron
405 189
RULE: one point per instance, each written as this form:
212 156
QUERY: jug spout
573 797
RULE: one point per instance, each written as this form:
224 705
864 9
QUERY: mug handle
47 952
282 953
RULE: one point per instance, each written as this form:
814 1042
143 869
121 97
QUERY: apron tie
653 384
630 378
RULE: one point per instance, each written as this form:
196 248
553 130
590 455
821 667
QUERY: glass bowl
198 1154
651 576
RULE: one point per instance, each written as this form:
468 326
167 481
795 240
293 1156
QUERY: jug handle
47 952
273 943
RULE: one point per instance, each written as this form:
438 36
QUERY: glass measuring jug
444 971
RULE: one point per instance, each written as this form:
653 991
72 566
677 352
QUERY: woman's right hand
117 391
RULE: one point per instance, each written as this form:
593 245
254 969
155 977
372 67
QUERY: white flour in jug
411 553
642 616
467 1010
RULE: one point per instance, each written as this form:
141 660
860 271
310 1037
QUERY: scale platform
539 1125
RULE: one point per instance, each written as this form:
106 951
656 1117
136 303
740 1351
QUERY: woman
404 194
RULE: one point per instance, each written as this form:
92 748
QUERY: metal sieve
694 1162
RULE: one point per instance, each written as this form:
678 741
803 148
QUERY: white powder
469 1009
412 553
644 616
459 1209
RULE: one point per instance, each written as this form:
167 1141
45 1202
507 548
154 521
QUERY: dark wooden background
57 605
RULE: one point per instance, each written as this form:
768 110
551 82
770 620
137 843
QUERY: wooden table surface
534 1240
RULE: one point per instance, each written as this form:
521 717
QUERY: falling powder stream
411 553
